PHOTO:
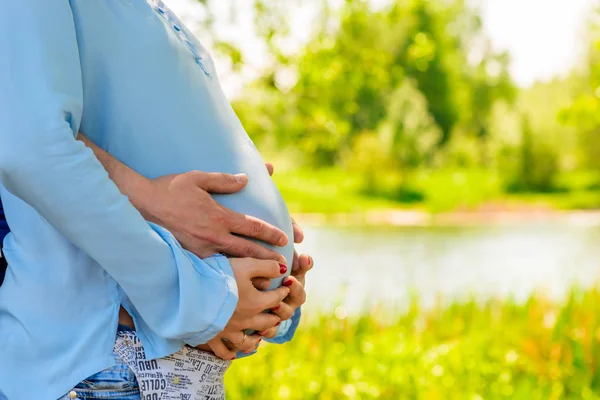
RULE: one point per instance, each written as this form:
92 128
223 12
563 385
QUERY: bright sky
544 37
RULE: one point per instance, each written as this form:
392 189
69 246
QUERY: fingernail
262 333
233 359
277 324
282 268
310 260
241 178
288 283
275 308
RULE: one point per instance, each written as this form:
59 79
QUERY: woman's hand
297 296
248 314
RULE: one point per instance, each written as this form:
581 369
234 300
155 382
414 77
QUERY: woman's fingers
284 310
297 295
261 283
263 321
269 333
271 298
301 267
254 268
239 341
220 349
251 343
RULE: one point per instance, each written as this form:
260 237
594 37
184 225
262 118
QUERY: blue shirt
3 224
139 85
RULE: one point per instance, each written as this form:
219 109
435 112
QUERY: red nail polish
282 269
233 359
277 324
275 308
288 283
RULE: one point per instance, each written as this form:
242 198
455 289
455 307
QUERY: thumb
217 182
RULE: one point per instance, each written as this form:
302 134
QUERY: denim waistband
124 328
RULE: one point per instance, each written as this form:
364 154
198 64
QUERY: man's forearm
182 204
135 186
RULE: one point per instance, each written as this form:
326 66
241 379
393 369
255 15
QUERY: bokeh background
444 159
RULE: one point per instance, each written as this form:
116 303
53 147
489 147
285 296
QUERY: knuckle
221 218
211 236
197 176
256 228
227 178
250 250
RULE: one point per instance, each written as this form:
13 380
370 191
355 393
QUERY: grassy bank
330 191
501 350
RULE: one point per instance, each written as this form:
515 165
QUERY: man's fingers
270 168
261 283
240 247
263 321
257 229
217 182
298 232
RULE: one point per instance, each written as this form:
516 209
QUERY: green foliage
537 166
538 349
400 73
584 112
390 94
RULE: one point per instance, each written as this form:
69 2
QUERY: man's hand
182 203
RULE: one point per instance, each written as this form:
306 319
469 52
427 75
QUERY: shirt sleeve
287 329
41 103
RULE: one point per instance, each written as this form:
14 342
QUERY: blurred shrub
536 166
498 350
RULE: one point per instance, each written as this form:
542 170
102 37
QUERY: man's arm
182 204
42 164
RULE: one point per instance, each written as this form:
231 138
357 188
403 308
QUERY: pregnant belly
227 152
261 199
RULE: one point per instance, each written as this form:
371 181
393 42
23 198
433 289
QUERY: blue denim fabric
116 383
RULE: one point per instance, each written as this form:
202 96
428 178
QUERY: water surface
358 267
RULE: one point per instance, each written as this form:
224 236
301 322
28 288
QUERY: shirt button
176 28
72 394
201 64
161 10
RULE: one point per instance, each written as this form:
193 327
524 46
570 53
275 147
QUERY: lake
359 267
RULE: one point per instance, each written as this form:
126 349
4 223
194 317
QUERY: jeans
116 383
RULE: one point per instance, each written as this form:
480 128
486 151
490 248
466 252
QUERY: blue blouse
3 224
132 78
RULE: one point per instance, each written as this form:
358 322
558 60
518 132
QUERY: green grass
330 191
500 350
